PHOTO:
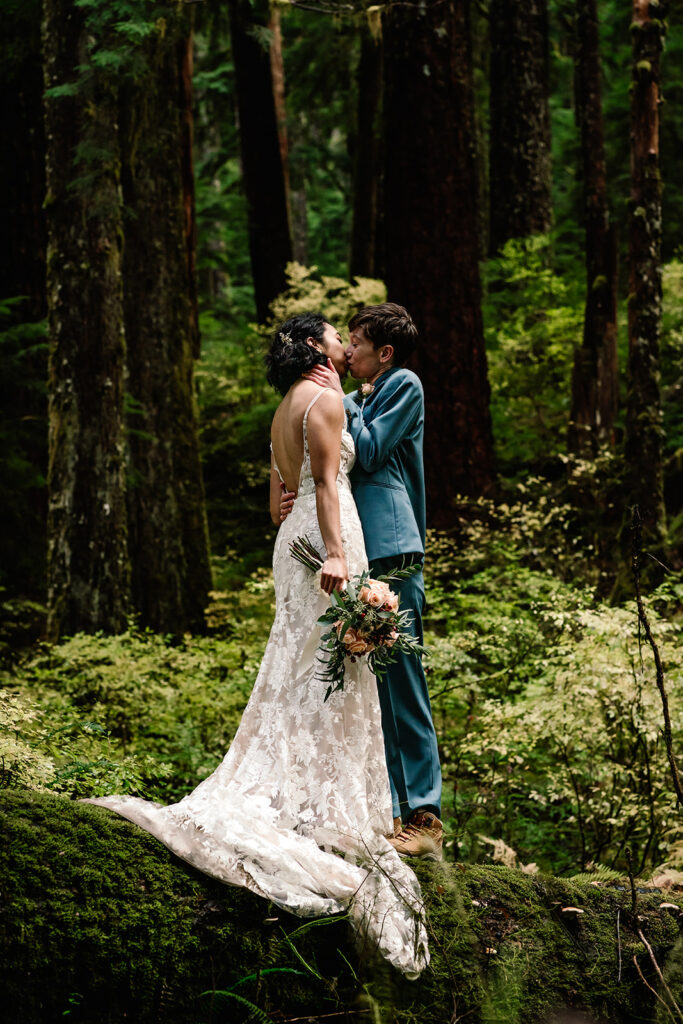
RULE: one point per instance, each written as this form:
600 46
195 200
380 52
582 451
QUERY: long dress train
298 809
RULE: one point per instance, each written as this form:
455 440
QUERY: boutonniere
364 392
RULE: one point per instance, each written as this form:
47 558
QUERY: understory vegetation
544 699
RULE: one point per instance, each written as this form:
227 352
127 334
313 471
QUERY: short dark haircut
388 324
290 355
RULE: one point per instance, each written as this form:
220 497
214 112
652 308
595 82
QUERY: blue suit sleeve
395 412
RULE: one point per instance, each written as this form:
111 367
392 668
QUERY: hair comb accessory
286 340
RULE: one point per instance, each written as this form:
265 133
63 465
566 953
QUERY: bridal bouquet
363 620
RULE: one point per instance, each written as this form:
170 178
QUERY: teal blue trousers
409 736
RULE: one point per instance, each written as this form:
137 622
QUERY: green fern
255 1012
598 873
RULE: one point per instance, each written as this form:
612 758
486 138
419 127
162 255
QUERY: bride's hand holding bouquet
363 620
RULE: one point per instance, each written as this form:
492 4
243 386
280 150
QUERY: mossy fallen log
100 923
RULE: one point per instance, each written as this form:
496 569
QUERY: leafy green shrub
533 319
672 394
133 713
549 722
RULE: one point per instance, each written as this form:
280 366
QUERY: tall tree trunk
643 403
277 70
23 364
595 391
22 168
519 155
431 231
88 572
364 260
171 573
270 245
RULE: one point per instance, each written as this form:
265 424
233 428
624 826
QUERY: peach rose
375 593
391 639
354 641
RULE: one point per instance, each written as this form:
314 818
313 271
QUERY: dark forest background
176 178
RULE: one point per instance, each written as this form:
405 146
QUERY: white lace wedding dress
298 809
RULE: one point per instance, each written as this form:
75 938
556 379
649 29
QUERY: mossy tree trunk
595 386
519 148
88 570
168 536
431 238
643 403
270 245
365 259
98 921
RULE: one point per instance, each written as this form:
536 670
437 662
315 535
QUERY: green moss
99 919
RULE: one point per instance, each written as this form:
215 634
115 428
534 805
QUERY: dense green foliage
547 714
149 939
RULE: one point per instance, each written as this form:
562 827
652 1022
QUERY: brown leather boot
421 836
398 825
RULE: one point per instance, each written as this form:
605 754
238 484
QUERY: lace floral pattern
298 809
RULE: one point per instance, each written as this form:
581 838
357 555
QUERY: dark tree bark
365 234
643 403
88 573
595 390
23 403
168 535
431 232
270 245
519 154
22 167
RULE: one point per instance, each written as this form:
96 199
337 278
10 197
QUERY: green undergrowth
99 922
544 700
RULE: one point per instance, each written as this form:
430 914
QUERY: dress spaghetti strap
308 409
277 468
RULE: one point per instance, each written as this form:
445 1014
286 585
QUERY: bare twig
661 564
668 991
654 991
350 10
636 553
634 894
325 1016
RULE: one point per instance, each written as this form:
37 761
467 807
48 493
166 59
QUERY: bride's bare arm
325 422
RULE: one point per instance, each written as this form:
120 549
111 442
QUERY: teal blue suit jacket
388 476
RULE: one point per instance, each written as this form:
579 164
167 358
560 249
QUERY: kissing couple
317 806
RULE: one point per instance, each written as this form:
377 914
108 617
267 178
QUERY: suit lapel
367 404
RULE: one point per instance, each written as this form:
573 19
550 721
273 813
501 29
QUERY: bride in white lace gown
299 808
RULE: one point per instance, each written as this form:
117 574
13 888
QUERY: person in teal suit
386 420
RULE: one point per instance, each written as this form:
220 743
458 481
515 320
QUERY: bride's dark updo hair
290 355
